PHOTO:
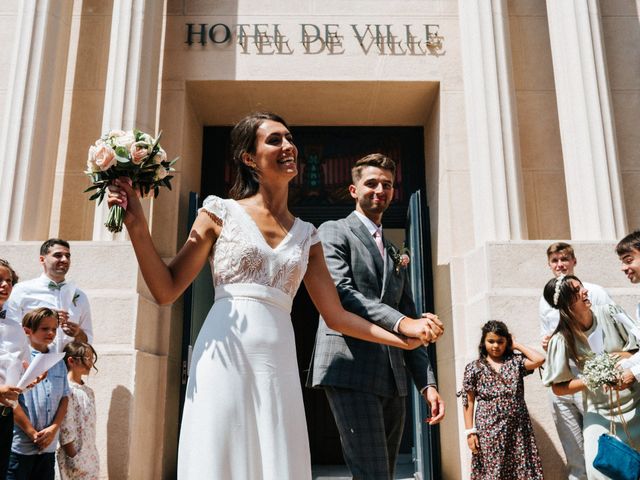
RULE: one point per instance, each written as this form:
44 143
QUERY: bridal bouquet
600 370
133 154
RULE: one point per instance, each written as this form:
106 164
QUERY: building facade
528 112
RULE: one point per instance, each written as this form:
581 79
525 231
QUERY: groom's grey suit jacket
380 295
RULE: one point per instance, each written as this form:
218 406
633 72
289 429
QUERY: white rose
125 140
91 159
116 133
145 137
160 156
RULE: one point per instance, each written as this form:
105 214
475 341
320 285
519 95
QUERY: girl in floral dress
502 441
78 455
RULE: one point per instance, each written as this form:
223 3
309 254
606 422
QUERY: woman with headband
583 330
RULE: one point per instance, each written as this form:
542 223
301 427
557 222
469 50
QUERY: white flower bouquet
600 370
132 154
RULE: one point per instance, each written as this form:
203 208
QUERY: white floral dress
243 416
79 427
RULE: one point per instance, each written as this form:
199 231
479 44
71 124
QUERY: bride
243 416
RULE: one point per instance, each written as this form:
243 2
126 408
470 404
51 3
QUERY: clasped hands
427 328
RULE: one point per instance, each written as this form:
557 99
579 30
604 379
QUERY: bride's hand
413 343
122 193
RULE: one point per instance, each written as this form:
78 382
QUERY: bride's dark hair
561 295
243 140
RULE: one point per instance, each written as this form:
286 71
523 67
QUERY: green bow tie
55 286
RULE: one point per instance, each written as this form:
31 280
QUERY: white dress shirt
35 293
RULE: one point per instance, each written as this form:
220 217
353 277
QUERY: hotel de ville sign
318 39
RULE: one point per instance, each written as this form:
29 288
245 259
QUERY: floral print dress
508 448
79 427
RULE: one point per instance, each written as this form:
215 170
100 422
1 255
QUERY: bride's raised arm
166 282
325 297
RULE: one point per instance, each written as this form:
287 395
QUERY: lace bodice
242 255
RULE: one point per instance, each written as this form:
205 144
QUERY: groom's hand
436 404
428 328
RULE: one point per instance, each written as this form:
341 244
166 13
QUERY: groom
366 383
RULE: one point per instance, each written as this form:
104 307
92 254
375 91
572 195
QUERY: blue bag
616 459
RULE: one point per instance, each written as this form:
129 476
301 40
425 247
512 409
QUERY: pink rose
404 260
104 157
139 151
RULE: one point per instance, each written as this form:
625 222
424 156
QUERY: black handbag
615 458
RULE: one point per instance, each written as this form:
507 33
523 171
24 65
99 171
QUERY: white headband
556 293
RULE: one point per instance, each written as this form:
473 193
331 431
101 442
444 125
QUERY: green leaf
96 195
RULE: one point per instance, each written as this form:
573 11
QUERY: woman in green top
583 329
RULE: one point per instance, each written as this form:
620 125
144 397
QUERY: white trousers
567 414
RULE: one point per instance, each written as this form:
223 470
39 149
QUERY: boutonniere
76 296
400 258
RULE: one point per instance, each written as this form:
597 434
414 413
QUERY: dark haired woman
244 416
502 441
583 329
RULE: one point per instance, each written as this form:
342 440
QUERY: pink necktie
378 238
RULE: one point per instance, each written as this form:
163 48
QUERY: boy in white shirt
567 409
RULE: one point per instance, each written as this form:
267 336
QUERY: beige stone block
175 7
523 265
93 52
148 414
3 99
89 256
8 39
476 275
113 314
627 8
429 8
621 38
461 218
630 182
551 453
449 7
114 405
626 109
539 132
527 8
152 327
551 198
172 413
453 128
531 207
75 209
532 63
10 7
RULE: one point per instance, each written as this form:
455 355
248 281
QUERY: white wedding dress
243 415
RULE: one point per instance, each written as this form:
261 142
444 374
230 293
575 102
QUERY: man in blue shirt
41 409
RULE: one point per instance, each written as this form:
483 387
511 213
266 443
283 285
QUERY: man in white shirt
628 250
567 409
51 289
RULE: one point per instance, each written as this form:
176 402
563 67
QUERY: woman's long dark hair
243 140
565 298
500 329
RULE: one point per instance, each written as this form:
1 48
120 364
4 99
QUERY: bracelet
470 431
